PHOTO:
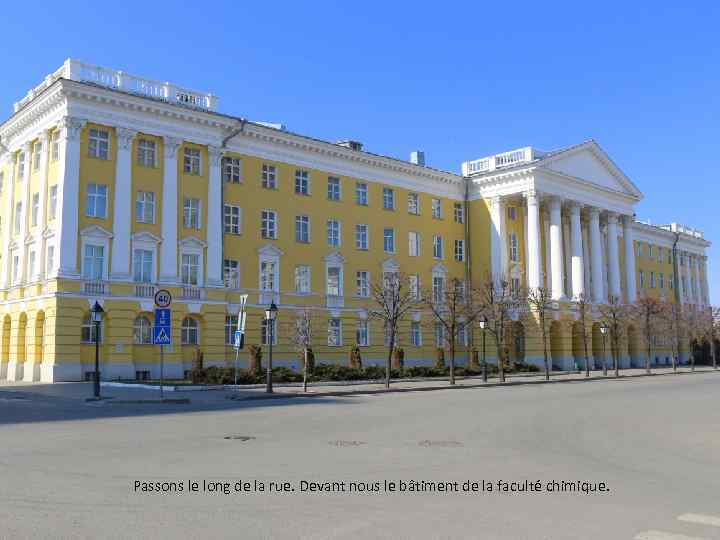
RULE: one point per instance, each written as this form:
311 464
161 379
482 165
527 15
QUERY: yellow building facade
113 186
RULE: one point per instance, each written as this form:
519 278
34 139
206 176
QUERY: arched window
142 331
190 334
87 330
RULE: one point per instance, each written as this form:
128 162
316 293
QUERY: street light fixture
604 330
483 324
270 317
96 316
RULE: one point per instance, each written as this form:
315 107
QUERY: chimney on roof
352 145
418 158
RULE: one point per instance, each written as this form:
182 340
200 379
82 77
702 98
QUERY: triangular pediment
588 162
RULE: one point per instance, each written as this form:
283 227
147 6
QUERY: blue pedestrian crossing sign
162 333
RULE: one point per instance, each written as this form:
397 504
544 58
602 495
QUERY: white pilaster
696 277
68 201
498 240
10 158
706 291
548 259
215 219
578 266
122 209
630 273
567 255
556 249
39 270
169 246
533 240
586 260
613 256
596 263
25 215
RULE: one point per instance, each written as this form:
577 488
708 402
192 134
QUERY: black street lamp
96 314
604 331
270 317
483 324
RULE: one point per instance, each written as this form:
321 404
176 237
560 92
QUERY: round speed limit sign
163 298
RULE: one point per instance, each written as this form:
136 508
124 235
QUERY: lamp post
96 314
604 331
270 317
483 324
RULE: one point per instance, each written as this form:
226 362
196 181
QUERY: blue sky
458 80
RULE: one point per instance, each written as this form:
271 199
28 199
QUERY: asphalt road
69 469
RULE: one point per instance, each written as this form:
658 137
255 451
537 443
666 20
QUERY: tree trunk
452 363
388 365
501 363
305 371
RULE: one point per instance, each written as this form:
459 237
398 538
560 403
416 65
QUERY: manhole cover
346 443
441 444
241 438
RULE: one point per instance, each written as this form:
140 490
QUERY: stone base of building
15 371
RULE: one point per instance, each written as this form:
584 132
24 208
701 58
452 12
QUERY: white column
548 258
215 219
696 274
25 219
498 240
122 209
586 260
533 240
168 249
556 249
596 263
706 291
567 255
630 273
11 159
681 273
39 270
68 201
613 256
578 266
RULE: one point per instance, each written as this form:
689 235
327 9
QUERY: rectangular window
512 213
302 279
268 224
55 145
413 244
514 252
389 240
146 153
50 260
231 273
267 276
361 193
362 335
642 279
16 269
192 161
96 201
145 207
333 233
37 152
437 246
661 279
21 167
413 203
35 209
18 217
231 322
232 170
460 250
388 199
31 265
415 334
99 144
269 176
362 279
268 328
438 288
334 287
53 201
333 188
231 219
461 334
439 335
334 333
93 262
191 213
190 269
302 229
437 209
639 250
650 251
660 255
361 236
459 211
2 181
652 280
302 182
142 266
414 285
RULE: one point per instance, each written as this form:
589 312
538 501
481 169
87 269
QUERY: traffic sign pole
239 334
162 365
162 331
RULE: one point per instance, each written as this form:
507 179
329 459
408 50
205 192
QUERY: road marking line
702 519
660 535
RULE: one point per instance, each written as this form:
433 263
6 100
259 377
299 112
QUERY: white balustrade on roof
502 160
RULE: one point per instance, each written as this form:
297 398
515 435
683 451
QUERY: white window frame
53 193
362 284
413 244
302 182
438 247
149 242
264 331
331 267
99 143
414 285
413 204
145 200
268 218
146 153
362 236
391 237
192 213
187 330
55 145
234 224
459 212
416 334
334 188
92 193
140 252
361 193
303 279
232 168
302 229
192 161
362 333
460 250
268 176
231 273
193 246
514 248
36 155
142 330
388 198
95 236
335 337
334 233
437 212
35 210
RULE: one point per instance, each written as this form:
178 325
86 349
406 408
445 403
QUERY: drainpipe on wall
468 259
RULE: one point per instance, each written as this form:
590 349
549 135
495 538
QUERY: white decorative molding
269 250
335 258
96 231
191 242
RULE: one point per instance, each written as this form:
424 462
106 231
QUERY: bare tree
695 328
456 309
498 303
393 298
302 339
648 313
671 325
614 315
582 305
714 327
540 301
